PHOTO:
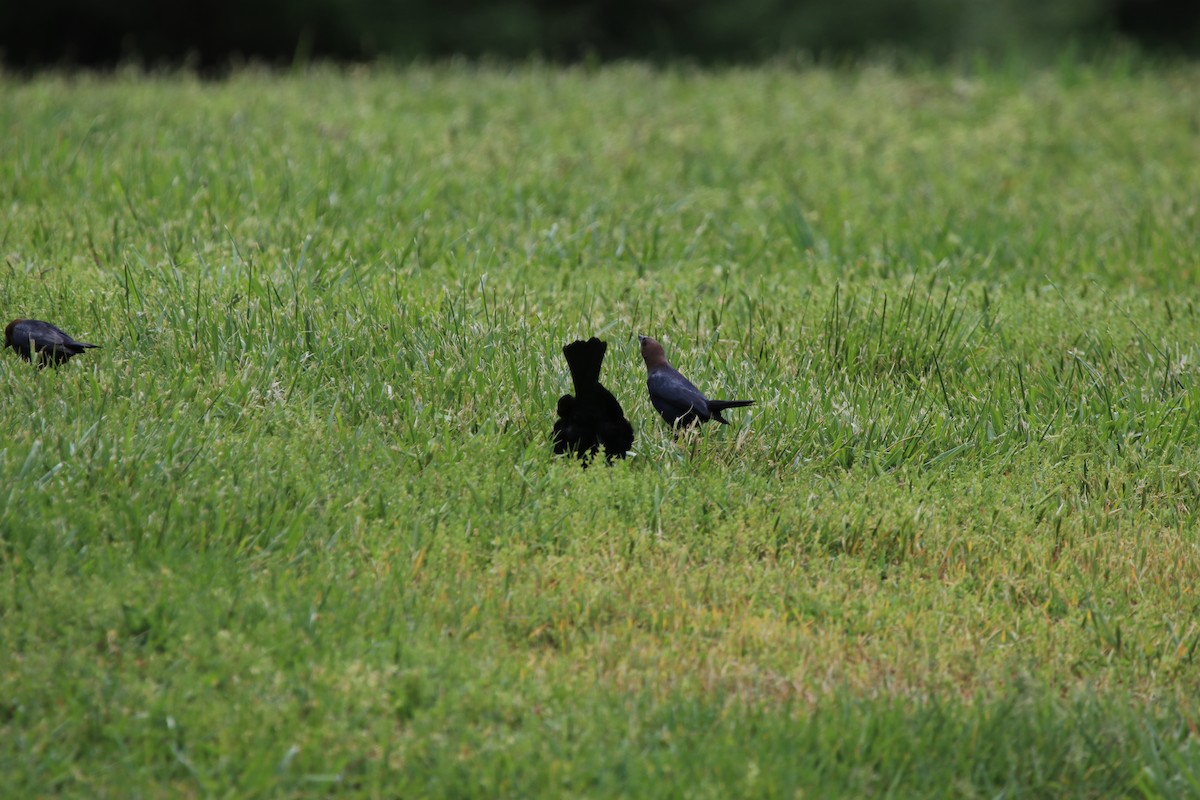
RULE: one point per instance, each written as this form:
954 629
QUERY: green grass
296 529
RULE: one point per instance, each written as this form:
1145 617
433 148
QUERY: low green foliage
296 529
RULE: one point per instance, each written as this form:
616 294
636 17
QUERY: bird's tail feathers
584 360
721 405
715 407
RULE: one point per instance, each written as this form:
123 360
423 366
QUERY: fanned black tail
715 407
584 359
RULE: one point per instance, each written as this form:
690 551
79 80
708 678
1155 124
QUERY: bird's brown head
652 353
8 332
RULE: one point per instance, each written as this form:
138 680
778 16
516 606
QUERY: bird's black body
675 397
592 417
50 343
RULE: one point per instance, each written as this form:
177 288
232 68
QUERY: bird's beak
641 339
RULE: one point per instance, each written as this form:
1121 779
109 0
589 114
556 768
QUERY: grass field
297 530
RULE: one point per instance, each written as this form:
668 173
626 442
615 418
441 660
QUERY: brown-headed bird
52 345
592 417
680 403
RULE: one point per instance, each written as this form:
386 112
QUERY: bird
51 344
592 417
674 397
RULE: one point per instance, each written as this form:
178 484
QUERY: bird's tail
584 359
715 407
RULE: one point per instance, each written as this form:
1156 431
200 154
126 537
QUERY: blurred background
215 34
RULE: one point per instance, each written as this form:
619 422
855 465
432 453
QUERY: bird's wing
43 334
670 392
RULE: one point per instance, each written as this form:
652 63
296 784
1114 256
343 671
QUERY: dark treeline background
213 34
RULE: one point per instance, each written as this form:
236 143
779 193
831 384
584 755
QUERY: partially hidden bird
674 397
49 342
592 417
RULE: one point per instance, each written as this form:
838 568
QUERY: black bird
592 417
676 399
51 344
